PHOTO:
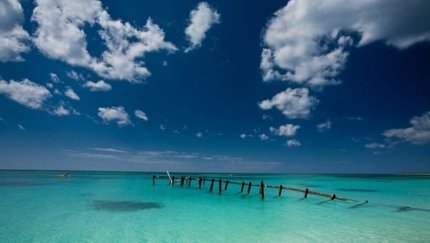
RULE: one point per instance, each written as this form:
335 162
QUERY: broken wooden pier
262 186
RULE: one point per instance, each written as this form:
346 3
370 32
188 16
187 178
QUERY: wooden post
200 182
212 185
189 181
226 185
153 179
280 190
241 188
306 193
333 196
249 187
182 181
173 180
220 185
262 189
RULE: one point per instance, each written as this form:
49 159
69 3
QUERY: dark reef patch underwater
123 206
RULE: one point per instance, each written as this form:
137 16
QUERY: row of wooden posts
187 180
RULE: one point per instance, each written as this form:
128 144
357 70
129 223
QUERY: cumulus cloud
324 126
294 103
99 86
419 133
25 92
263 137
375 145
201 19
199 134
60 35
71 94
162 127
293 143
116 114
141 115
21 127
267 117
307 42
288 130
74 75
14 40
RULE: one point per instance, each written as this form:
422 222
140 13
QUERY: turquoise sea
35 206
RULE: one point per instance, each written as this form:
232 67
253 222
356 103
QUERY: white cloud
288 130
267 117
374 146
21 127
99 86
61 111
307 41
294 103
324 126
71 94
263 137
117 114
60 35
419 133
74 75
25 92
243 136
162 127
49 85
292 143
110 150
201 19
199 134
141 115
13 38
54 77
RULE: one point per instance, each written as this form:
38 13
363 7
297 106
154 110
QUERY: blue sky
224 86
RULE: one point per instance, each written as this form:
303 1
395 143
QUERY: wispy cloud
293 143
199 134
109 150
201 19
375 145
141 115
324 126
243 136
21 127
71 94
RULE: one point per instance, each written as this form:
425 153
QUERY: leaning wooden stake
182 181
173 180
153 179
306 193
262 189
241 188
226 185
212 185
249 187
280 190
200 182
220 185
189 181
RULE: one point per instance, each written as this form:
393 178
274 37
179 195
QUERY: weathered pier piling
242 184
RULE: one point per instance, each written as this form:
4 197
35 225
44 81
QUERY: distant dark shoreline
414 173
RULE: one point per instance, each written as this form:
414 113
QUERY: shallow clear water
35 206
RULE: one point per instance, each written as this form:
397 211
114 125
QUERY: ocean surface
36 206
